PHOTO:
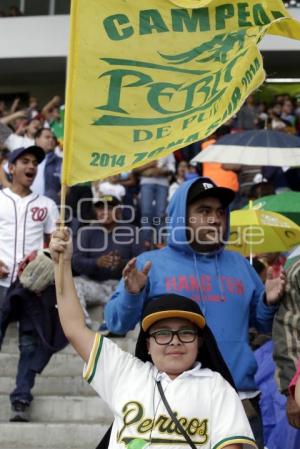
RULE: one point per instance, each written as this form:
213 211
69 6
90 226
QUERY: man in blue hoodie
195 264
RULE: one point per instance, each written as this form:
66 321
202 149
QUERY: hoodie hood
177 216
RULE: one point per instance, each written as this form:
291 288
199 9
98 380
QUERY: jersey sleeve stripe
247 442
90 368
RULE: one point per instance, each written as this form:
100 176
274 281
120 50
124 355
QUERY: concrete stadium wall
33 37
47 36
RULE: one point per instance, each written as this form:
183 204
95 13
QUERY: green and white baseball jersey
207 407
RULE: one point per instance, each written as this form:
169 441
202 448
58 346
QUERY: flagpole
61 226
67 132
251 247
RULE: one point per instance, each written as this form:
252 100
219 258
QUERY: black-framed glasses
165 336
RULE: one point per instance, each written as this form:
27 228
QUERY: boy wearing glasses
176 349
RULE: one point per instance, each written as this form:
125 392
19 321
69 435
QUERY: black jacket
34 313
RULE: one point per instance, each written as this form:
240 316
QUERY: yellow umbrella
255 231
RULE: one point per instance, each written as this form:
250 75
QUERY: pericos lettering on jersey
134 418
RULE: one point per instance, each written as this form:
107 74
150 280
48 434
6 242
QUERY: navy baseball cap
33 149
206 187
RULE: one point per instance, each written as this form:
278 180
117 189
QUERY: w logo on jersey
39 213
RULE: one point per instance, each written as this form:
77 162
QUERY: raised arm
285 338
13 116
54 102
70 311
123 311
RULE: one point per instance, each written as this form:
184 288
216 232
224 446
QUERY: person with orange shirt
224 175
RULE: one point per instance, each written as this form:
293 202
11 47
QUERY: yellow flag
146 77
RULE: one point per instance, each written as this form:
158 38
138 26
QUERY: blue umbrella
255 147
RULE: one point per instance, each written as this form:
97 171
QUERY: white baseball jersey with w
23 223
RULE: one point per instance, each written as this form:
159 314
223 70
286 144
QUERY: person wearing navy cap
19 152
196 264
26 222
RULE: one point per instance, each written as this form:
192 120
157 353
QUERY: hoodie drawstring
219 277
202 302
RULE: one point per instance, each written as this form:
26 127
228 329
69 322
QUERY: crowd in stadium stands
141 196
147 190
